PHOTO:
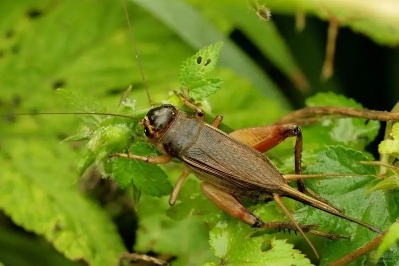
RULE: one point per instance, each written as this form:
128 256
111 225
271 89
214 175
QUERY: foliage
84 47
390 146
389 240
194 71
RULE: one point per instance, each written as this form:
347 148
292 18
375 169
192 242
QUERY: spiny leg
295 177
217 121
278 200
141 257
296 132
265 138
199 113
229 204
176 189
161 159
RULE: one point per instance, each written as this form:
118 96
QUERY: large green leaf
349 194
351 132
187 239
388 248
50 205
35 250
234 245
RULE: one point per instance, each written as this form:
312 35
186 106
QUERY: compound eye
147 131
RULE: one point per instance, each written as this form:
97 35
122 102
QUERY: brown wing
222 160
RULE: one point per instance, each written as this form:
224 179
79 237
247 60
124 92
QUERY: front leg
160 159
199 113
179 184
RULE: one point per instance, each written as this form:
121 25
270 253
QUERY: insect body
230 166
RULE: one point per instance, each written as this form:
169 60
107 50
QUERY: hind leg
264 138
230 204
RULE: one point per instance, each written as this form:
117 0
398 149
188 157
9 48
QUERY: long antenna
136 53
77 113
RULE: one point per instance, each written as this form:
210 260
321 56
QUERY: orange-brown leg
217 121
279 202
199 113
265 138
161 159
229 204
176 189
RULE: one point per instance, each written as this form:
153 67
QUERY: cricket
232 166
248 174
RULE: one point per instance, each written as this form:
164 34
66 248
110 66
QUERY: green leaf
194 71
201 64
341 160
75 101
395 131
17 248
391 146
391 237
204 87
187 239
50 205
388 183
234 246
85 162
148 178
113 135
331 99
349 194
352 132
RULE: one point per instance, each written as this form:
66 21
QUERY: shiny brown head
158 120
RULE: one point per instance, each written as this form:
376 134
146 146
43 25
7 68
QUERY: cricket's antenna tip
136 53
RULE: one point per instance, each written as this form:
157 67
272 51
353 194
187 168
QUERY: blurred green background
269 68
